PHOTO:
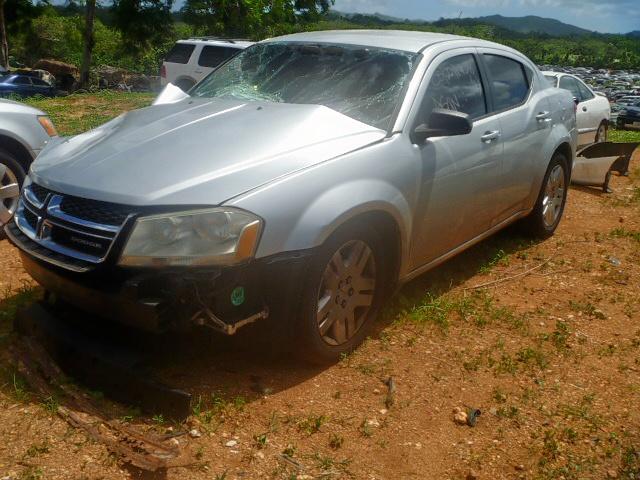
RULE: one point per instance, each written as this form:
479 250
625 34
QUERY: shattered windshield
361 82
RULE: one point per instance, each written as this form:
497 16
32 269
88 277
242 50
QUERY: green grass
78 113
624 135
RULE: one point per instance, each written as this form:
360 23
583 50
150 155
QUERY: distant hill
534 24
522 25
634 34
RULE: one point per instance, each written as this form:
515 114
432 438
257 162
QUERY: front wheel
547 213
11 177
343 293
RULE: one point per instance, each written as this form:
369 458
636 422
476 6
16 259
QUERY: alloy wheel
9 193
553 196
346 292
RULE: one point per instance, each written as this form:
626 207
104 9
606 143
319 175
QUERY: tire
602 133
541 223
309 343
11 172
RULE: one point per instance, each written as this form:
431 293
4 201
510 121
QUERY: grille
95 211
31 218
46 254
39 192
68 231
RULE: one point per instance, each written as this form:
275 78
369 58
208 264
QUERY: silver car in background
298 185
24 131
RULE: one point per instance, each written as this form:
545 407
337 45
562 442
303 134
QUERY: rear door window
585 93
39 83
508 80
212 56
569 83
456 85
180 53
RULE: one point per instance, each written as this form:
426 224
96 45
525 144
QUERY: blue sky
619 16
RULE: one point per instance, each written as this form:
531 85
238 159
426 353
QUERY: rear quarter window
180 53
509 83
212 56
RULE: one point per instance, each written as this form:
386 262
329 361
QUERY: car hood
197 151
9 106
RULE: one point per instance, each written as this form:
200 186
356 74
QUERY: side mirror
442 123
170 94
576 100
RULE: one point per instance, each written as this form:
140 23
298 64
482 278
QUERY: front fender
339 205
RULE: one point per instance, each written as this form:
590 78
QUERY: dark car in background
629 116
25 86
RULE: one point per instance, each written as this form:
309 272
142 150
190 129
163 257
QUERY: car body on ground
298 185
189 61
24 131
25 86
593 111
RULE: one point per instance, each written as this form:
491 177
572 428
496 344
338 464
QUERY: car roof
406 40
219 42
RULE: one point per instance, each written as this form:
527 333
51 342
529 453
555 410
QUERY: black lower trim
162 300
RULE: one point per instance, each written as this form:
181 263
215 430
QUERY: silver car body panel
307 169
20 123
141 158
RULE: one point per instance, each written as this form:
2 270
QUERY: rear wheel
11 177
547 213
343 293
602 133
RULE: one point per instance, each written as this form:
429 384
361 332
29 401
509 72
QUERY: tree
4 46
89 42
252 18
143 23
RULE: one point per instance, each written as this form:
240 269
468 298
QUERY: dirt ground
550 357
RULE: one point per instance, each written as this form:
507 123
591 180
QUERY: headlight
218 236
47 124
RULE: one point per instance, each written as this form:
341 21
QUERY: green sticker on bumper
237 296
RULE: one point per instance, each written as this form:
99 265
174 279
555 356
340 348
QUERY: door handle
490 136
543 117
197 71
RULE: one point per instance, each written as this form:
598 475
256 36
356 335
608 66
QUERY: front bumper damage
223 299
594 164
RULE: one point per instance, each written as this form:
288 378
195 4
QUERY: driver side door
459 174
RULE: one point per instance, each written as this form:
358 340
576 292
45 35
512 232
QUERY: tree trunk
4 46
88 43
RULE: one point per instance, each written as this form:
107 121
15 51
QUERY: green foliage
136 34
251 18
142 23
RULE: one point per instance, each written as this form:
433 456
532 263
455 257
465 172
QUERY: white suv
189 61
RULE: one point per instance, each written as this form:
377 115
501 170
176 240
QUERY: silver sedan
298 184
24 131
